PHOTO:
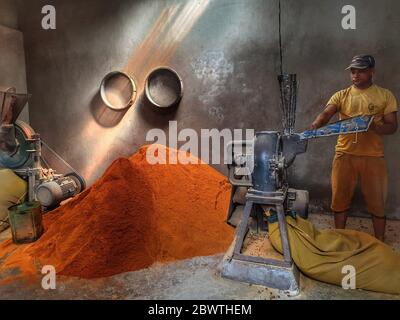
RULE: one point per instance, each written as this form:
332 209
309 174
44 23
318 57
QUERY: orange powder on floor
136 214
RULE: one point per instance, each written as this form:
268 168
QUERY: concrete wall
227 53
9 13
12 55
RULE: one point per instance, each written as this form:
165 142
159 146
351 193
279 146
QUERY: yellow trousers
347 170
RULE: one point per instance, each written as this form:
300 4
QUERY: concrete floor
195 278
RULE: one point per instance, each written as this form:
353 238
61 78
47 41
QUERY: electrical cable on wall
280 38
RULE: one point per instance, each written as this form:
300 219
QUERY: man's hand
324 117
373 125
316 124
389 125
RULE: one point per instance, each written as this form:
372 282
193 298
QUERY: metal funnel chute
288 90
11 104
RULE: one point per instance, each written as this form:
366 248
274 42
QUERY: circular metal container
118 90
164 87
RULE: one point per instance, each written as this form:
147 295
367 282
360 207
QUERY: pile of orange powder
136 214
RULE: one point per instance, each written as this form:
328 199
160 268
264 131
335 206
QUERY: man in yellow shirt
361 156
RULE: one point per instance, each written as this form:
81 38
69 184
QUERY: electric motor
51 193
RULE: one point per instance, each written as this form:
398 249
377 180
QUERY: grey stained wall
227 53
12 55
9 14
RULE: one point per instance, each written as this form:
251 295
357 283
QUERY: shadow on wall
156 117
103 115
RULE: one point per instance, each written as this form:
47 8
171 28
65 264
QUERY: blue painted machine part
266 145
347 126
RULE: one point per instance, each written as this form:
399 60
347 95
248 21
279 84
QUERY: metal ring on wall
118 90
164 87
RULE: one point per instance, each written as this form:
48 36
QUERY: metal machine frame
268 272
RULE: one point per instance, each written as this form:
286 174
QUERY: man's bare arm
324 117
389 125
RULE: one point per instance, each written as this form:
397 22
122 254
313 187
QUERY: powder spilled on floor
135 215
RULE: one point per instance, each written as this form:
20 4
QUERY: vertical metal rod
34 174
231 204
284 235
31 188
280 37
242 228
38 151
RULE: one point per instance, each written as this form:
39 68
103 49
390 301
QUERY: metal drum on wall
118 90
164 87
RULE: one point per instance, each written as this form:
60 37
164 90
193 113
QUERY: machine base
286 278
268 272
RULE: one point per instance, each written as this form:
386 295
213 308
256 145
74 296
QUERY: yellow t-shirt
352 102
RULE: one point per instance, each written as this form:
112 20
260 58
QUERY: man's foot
379 227
340 219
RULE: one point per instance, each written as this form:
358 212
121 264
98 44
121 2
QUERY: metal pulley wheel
21 158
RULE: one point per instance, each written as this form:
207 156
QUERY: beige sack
324 254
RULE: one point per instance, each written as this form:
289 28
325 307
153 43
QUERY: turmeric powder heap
136 214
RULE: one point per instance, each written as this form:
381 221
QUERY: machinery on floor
21 151
261 165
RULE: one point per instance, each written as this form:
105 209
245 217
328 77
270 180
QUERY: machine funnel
11 104
288 90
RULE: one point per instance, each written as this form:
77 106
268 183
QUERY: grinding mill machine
261 165
21 151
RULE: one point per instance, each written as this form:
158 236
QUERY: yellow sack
13 190
321 255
